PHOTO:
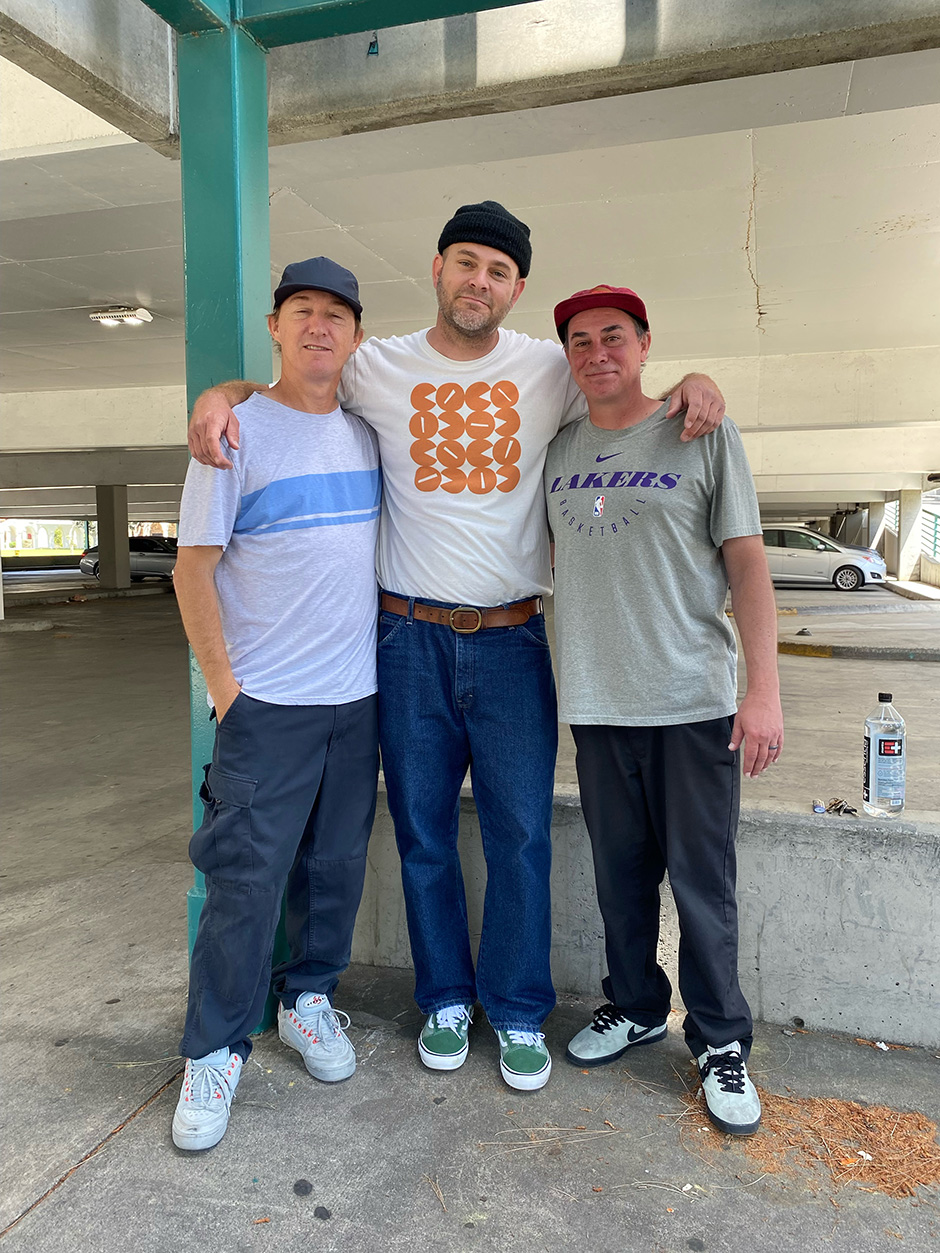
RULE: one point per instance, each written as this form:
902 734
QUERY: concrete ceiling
758 217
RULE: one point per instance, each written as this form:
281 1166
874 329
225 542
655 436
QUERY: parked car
797 554
151 557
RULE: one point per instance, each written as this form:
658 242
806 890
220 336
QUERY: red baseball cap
602 297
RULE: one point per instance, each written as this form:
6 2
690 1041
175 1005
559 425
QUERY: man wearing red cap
649 533
464 412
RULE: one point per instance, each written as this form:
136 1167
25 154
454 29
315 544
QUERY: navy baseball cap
319 274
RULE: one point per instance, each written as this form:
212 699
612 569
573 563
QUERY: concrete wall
117 417
839 919
556 51
36 118
114 57
890 550
929 570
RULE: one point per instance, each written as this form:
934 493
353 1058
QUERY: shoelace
203 1084
606 1017
324 1023
728 1069
452 1016
530 1038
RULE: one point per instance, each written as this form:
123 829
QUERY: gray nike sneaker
608 1036
731 1098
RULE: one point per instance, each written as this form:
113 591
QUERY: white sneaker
609 1036
313 1028
208 1090
731 1098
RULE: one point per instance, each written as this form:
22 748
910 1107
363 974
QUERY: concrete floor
96 752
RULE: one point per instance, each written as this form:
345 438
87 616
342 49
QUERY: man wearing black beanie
464 412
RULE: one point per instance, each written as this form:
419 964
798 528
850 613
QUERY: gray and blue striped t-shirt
297 519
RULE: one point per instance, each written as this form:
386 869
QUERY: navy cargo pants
289 801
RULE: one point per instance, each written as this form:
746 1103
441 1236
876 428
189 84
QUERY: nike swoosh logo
637 1033
608 456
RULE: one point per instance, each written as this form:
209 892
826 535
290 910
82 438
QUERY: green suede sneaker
442 1044
524 1060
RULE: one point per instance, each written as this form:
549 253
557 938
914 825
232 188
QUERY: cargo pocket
221 848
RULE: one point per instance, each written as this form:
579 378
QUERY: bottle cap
884 698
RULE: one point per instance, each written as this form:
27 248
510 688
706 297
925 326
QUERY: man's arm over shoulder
212 418
759 720
703 403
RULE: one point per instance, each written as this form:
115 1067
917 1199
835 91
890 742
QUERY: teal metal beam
190 17
224 154
277 22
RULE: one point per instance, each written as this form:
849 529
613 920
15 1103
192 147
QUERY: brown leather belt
465 619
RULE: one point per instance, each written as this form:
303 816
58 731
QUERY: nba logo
598 506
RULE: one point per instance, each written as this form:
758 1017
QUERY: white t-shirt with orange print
463 448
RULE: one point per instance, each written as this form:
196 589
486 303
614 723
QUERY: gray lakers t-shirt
640 586
297 518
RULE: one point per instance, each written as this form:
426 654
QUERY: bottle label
883 769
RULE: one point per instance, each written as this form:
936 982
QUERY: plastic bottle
885 761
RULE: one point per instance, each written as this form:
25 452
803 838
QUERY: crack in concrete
90 1154
750 247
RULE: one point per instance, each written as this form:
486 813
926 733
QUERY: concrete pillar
854 530
114 563
876 525
2 610
910 511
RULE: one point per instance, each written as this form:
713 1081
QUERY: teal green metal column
223 110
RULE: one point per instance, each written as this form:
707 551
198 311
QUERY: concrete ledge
913 591
871 653
839 919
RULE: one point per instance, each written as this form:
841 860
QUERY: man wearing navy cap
276 586
649 533
464 412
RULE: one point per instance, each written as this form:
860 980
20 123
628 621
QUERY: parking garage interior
777 207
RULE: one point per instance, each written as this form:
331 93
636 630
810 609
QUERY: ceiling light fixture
121 314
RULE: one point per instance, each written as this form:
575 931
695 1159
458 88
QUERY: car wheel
847 579
137 578
95 570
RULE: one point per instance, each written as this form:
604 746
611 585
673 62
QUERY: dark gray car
151 557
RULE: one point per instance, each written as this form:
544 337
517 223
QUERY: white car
797 554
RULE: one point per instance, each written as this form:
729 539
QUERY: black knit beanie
490 224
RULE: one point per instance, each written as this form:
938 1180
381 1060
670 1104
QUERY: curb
65 597
792 611
858 653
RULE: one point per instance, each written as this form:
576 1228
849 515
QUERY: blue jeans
448 701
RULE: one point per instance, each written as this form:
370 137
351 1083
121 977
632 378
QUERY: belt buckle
466 630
